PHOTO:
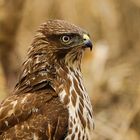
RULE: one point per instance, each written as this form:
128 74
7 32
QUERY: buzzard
50 101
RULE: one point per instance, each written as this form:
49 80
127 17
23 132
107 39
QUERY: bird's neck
74 96
41 67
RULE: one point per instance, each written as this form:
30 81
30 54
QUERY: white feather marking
24 99
62 95
14 103
6 122
22 126
35 137
33 78
34 109
10 112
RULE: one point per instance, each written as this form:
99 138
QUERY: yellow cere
86 37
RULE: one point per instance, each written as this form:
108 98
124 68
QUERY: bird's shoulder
16 108
36 112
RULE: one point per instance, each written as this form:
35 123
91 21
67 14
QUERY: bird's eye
65 39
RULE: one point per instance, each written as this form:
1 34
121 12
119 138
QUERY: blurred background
111 70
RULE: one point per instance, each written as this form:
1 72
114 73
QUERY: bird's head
62 41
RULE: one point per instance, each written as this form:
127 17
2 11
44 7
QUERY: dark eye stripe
73 38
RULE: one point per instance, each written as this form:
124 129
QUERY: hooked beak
87 41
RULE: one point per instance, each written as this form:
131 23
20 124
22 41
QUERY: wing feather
30 116
17 108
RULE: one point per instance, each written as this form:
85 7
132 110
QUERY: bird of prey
49 101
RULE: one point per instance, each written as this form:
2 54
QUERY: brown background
111 71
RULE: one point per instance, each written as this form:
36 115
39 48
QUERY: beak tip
88 44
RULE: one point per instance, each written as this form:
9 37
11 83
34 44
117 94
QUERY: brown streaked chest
76 99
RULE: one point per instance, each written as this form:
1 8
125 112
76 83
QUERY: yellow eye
65 39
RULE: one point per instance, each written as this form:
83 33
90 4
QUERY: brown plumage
49 101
